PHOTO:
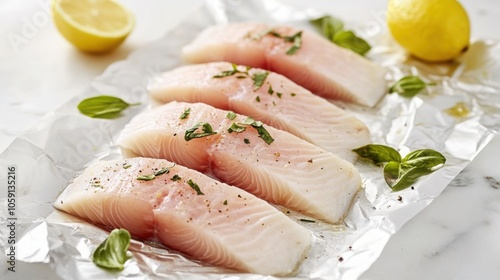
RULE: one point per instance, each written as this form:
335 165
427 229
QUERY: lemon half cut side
94 26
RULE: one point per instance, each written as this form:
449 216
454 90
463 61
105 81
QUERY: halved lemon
92 25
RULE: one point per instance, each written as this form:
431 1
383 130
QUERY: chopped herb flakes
205 127
270 90
195 187
231 115
185 114
257 98
258 78
236 128
150 177
258 125
246 141
146 177
225 202
231 72
175 178
126 166
296 39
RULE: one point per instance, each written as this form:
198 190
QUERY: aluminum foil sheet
64 142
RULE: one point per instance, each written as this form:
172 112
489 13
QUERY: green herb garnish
257 98
270 90
112 252
195 187
175 178
231 115
236 128
185 114
258 79
263 133
103 107
231 72
146 177
296 39
246 141
348 40
333 30
225 202
150 177
400 173
258 125
409 86
126 166
205 127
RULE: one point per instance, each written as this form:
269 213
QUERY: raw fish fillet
278 102
318 65
289 171
224 226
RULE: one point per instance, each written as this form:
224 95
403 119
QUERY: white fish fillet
318 65
278 102
224 226
289 171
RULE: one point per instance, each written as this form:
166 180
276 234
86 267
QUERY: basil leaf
195 187
378 153
333 30
103 106
392 172
258 79
409 86
112 252
191 133
409 176
425 158
328 25
348 40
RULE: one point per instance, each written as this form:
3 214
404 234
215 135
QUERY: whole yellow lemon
432 30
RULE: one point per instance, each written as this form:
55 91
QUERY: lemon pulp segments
92 25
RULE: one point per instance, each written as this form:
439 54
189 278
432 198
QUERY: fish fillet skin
224 226
290 171
279 102
318 65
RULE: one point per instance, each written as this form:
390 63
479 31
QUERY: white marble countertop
455 237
